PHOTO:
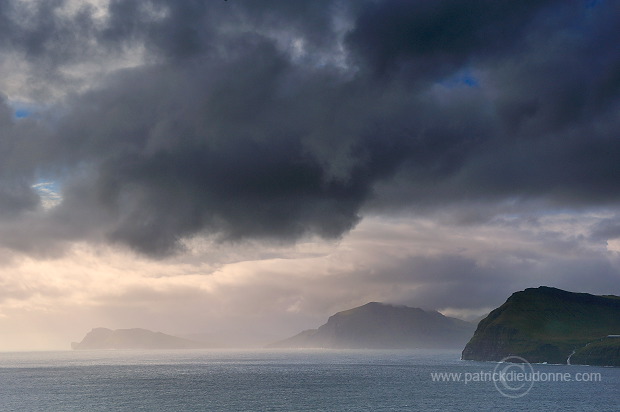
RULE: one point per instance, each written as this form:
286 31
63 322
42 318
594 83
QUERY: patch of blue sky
23 110
462 78
49 192
22 113
593 3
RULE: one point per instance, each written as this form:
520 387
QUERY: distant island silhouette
383 326
136 338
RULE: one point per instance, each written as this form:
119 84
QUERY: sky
238 171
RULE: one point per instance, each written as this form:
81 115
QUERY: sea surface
296 380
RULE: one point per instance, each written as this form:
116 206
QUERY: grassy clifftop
544 325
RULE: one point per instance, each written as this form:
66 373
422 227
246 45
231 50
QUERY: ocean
295 380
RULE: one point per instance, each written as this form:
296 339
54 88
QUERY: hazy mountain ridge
383 326
136 338
550 325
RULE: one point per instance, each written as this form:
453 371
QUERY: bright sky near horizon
240 170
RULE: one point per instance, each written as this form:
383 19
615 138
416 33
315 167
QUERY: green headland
550 325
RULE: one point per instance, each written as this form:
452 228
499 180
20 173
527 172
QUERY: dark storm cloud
434 38
455 281
606 229
280 119
16 153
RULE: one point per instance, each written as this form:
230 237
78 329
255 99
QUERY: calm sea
265 380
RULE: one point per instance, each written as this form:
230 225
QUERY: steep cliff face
544 325
604 352
378 325
103 338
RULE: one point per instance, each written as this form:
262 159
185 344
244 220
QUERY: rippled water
266 380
